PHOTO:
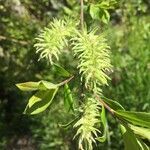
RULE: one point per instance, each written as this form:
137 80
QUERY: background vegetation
20 22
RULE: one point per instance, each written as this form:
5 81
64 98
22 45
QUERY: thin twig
82 14
105 105
14 40
82 28
66 81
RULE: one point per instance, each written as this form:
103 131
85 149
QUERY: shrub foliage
92 53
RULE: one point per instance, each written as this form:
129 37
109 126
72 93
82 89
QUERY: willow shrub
90 49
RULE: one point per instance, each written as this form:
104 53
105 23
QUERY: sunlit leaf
40 101
136 118
105 16
142 132
35 98
28 86
44 85
104 5
94 11
33 86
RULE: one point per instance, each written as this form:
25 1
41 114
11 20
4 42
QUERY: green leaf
28 86
112 104
105 17
104 5
61 71
112 2
107 5
142 132
33 86
143 145
68 100
35 98
94 11
45 85
137 118
129 139
40 101
104 123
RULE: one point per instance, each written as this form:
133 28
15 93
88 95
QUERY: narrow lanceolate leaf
104 123
61 71
142 132
35 98
40 101
137 118
143 145
28 86
45 85
68 100
129 139
33 86
112 104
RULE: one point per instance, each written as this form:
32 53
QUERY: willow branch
66 81
82 14
105 105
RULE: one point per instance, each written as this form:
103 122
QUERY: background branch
14 40
82 14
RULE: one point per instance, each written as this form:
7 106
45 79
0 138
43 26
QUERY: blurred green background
128 35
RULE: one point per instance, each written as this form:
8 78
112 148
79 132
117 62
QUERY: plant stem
66 81
82 28
14 40
105 105
82 14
